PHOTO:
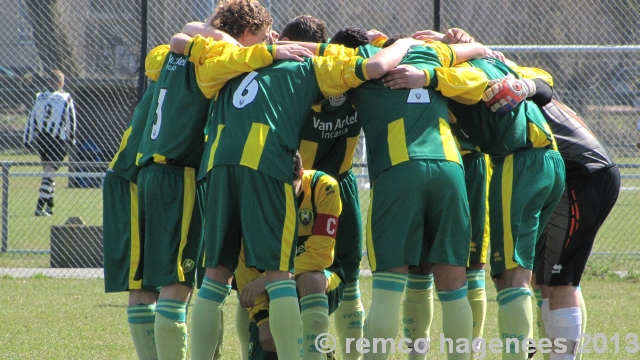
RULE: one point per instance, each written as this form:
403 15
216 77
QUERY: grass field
44 318
616 247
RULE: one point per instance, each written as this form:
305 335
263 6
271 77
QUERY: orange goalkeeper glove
505 94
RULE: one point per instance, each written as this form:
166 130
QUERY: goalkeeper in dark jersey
592 186
254 132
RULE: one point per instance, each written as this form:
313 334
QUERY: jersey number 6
247 91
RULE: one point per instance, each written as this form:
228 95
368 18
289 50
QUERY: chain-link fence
592 48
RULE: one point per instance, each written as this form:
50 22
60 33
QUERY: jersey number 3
155 131
247 91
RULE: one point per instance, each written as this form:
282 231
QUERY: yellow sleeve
534 73
462 84
245 275
337 74
379 42
218 62
335 50
445 53
319 247
153 62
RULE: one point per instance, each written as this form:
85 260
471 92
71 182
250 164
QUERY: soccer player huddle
236 172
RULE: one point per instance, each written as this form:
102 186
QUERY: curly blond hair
234 16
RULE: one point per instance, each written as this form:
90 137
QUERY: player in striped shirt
50 129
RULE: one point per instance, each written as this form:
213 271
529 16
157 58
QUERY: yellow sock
349 320
171 329
242 329
583 310
385 305
217 355
417 312
206 319
141 319
515 320
478 300
314 311
457 321
284 319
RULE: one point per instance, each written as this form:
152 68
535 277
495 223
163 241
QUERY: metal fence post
6 165
436 15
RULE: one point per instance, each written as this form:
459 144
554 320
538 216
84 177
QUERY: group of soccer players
209 180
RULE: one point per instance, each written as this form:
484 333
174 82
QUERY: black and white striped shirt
52 114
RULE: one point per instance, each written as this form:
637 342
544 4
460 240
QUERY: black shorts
564 247
51 149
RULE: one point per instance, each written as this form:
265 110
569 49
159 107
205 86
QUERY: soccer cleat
331 355
42 212
50 210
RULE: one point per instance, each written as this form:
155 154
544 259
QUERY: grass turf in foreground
48 318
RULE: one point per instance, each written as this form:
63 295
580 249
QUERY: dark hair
306 28
297 166
351 37
235 16
390 41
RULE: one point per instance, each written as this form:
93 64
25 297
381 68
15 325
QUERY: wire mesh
591 48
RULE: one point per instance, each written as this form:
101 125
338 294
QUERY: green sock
142 319
478 300
314 312
583 311
242 329
284 319
206 320
417 311
515 320
349 320
457 321
385 304
171 329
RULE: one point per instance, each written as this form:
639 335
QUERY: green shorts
525 188
201 195
419 212
348 249
120 235
256 352
477 175
245 203
335 292
170 225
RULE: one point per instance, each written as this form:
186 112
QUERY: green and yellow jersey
174 134
406 124
319 207
500 135
257 118
124 161
329 137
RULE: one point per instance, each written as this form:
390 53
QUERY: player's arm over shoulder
154 61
